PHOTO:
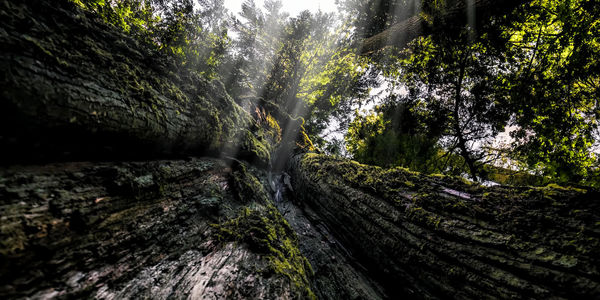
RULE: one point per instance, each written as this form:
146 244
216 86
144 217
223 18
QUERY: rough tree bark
439 237
164 229
206 228
74 87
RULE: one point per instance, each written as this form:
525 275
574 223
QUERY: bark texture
439 237
337 274
72 87
162 229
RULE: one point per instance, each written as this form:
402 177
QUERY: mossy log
130 230
73 87
427 237
337 275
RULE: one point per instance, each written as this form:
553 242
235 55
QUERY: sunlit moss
562 188
255 148
266 231
247 187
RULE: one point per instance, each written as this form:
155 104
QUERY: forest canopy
506 98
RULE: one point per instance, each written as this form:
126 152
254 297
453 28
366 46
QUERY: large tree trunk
74 87
164 229
439 237
337 275
205 228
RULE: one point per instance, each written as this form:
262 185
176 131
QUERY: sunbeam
312 149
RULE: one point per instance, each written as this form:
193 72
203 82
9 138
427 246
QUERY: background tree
452 90
258 38
190 34
555 87
303 65
533 71
395 134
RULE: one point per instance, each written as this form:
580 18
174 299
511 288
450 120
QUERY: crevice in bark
207 227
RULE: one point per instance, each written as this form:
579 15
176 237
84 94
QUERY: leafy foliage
393 136
129 15
298 64
191 36
533 71
555 86
454 95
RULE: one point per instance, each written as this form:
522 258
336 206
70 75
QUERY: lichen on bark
439 237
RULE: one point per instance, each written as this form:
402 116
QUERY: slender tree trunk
462 144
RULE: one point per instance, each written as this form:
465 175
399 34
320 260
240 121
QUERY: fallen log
441 237
73 87
158 229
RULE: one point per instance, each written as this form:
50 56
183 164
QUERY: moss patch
255 149
265 231
247 187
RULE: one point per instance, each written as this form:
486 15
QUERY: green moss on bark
121 97
247 187
265 231
440 234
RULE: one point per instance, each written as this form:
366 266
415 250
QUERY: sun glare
292 7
